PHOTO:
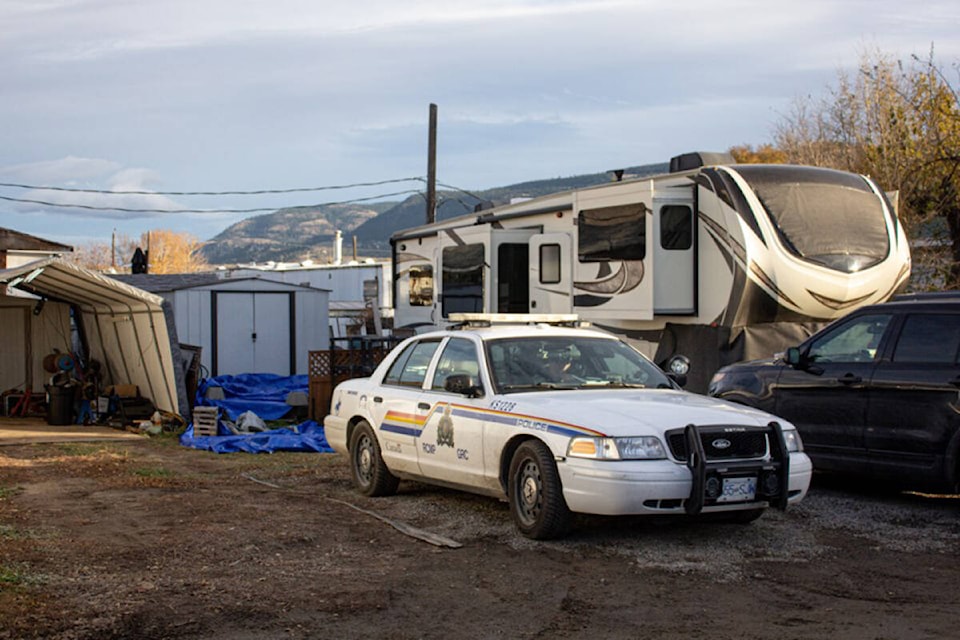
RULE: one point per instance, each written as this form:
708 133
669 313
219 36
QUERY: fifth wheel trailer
720 262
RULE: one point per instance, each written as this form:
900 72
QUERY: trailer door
550 273
674 245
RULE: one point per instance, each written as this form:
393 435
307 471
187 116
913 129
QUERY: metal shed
244 325
356 288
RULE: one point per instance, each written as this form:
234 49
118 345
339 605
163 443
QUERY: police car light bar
515 318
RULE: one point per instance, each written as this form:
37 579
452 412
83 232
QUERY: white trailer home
721 262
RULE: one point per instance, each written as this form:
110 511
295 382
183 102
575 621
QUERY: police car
558 419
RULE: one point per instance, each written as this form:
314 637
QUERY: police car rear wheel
370 473
535 494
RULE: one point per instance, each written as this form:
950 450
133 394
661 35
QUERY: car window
929 338
410 368
459 357
853 341
573 362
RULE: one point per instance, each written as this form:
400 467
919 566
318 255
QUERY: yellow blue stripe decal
412 425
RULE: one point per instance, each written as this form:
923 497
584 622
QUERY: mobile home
717 260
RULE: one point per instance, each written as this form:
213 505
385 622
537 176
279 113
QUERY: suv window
410 368
854 341
929 338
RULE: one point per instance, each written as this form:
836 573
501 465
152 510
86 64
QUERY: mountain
288 235
294 235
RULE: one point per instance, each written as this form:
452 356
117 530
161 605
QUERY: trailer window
676 227
613 233
462 279
549 264
421 286
824 216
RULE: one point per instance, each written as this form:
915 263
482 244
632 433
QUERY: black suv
875 393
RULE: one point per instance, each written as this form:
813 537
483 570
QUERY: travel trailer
715 260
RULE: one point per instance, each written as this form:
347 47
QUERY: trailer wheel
535 494
369 471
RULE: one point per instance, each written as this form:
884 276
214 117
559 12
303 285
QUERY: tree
105 256
764 154
898 122
173 252
169 252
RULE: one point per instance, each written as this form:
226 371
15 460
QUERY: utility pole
432 166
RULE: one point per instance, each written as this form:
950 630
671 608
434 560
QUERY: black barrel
60 410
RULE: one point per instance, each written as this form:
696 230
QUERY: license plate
738 490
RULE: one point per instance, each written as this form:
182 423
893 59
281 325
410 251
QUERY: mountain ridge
307 233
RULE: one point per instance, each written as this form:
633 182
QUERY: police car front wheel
535 494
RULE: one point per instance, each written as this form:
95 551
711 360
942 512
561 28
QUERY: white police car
558 420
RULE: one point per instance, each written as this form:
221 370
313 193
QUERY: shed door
254 333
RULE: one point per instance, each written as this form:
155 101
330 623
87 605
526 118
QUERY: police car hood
631 412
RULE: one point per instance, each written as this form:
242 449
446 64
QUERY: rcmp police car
558 419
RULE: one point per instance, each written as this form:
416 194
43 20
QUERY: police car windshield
569 362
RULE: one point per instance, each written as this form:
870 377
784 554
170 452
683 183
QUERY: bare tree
169 252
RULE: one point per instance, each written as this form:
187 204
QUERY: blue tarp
307 436
265 394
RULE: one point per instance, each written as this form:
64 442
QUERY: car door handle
423 406
377 399
849 379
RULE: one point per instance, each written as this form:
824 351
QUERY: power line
255 210
15 185
448 186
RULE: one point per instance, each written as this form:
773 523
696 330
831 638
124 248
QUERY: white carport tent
123 327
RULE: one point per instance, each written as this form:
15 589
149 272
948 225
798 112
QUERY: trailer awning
125 328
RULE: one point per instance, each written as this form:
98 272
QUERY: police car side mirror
462 383
680 380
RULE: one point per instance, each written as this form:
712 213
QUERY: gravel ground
151 540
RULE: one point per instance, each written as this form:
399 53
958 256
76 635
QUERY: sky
170 96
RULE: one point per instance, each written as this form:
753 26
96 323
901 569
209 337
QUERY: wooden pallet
205 421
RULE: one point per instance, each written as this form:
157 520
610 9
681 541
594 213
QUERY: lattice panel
329 368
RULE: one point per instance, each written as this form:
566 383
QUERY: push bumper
668 487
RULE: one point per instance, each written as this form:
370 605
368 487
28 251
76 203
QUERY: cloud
221 95
94 179
65 171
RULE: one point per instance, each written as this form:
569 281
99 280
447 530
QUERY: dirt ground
147 539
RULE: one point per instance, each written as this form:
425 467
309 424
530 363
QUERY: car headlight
633 448
792 439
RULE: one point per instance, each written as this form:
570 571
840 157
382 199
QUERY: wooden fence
327 369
